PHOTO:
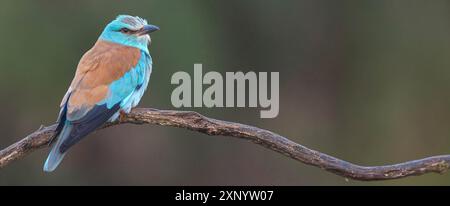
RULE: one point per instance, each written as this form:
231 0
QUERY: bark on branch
196 122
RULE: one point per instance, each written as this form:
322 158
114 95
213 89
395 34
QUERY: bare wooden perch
196 122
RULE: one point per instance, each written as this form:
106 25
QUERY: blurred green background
366 81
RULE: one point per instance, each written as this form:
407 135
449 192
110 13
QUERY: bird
109 81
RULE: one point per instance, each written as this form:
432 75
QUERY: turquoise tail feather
55 157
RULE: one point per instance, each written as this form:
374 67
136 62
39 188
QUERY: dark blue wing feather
61 120
95 118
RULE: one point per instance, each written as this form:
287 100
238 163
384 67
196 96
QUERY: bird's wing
104 78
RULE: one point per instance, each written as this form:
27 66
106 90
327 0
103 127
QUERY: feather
95 118
55 157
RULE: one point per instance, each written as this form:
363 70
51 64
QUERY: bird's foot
122 116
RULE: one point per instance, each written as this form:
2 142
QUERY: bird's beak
147 29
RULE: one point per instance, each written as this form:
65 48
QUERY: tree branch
196 122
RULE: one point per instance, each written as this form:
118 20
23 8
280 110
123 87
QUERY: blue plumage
129 89
110 78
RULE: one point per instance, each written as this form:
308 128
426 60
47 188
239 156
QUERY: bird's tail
55 157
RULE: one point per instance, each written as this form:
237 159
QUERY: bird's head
130 31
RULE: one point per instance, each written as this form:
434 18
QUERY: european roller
110 79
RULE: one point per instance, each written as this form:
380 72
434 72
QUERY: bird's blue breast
131 86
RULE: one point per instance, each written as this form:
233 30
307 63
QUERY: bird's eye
124 30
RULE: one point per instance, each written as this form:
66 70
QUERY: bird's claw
122 116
